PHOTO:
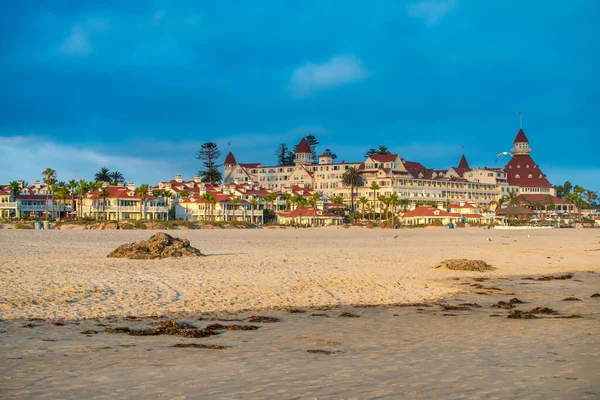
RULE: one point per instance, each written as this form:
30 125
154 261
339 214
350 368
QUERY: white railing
8 204
160 209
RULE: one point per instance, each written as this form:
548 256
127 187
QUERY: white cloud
25 157
77 44
430 10
337 71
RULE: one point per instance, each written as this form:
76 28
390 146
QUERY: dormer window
540 176
530 176
517 176
527 166
519 166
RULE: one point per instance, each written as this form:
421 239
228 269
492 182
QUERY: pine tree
313 142
209 153
282 154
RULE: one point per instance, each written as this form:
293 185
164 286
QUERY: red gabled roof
230 159
250 165
463 164
3 193
415 168
521 138
541 198
384 157
518 173
303 147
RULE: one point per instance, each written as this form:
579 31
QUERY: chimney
462 203
131 185
20 183
197 178
37 184
179 178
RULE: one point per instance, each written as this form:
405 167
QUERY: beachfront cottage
427 215
304 216
8 207
115 202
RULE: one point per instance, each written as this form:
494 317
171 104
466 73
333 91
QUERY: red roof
415 168
541 198
428 211
250 165
520 167
3 193
303 147
118 192
384 157
230 159
463 164
521 138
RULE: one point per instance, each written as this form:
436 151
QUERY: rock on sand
159 245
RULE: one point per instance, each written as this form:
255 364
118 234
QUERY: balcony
8 204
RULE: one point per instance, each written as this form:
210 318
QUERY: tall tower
228 167
303 153
521 144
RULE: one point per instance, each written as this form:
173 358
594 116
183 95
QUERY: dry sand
64 274
388 352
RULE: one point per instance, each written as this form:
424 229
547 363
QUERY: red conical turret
230 159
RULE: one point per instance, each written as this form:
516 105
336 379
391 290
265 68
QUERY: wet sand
432 351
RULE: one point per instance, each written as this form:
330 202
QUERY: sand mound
465 265
159 245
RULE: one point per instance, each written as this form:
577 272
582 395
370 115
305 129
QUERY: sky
138 86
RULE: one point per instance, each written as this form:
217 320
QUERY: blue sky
138 86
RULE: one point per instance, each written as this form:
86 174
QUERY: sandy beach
65 274
450 344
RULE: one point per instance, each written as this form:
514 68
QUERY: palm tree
15 189
405 203
253 205
158 194
116 177
353 179
591 196
394 202
184 194
234 203
512 198
206 198
61 195
314 199
386 202
363 202
374 187
142 192
104 193
71 186
103 175
168 195
49 179
213 203
287 197
81 189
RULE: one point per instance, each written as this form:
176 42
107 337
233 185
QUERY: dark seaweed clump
220 327
165 328
349 315
264 319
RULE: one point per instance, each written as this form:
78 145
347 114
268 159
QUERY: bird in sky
504 153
